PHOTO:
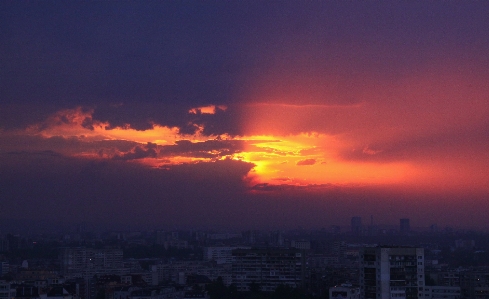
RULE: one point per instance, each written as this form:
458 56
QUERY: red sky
301 115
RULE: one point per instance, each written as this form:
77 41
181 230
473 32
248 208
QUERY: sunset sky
245 114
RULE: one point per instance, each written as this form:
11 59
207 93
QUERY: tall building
268 268
6 291
343 291
391 272
404 226
221 254
4 268
277 239
81 262
249 236
475 284
300 244
356 225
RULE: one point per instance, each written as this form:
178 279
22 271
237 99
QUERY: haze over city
244 114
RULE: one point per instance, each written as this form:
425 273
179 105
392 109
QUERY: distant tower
277 238
249 236
356 225
404 226
372 230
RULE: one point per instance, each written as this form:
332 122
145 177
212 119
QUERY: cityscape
357 261
247 149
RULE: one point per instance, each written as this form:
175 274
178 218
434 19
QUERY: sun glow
293 159
312 159
78 123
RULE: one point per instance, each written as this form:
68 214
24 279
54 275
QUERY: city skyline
252 114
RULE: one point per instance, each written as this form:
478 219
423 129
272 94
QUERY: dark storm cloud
64 145
21 115
63 188
92 51
160 59
125 149
215 148
210 148
142 116
139 152
221 122
47 185
140 64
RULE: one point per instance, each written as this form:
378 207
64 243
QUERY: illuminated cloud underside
426 131
299 159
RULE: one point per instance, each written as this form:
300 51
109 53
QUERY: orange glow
416 131
282 146
298 159
279 161
207 109
69 123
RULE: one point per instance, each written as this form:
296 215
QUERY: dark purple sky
240 114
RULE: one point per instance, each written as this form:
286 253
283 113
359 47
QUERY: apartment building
268 268
392 272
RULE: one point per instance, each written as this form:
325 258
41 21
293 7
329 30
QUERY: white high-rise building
221 254
6 292
392 272
81 262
